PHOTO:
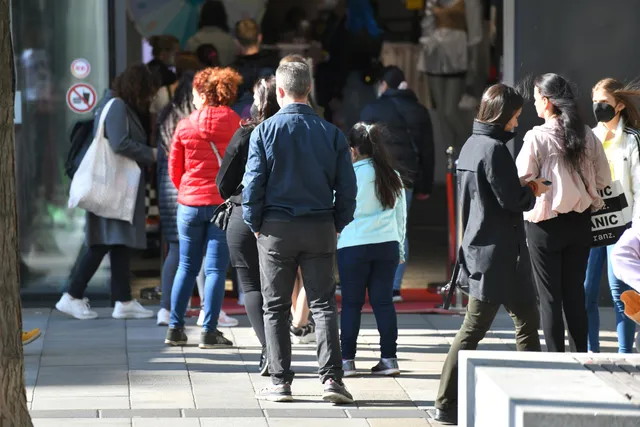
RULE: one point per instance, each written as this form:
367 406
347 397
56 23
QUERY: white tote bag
106 183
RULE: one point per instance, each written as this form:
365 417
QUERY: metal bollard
455 231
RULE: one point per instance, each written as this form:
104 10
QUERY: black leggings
243 249
89 261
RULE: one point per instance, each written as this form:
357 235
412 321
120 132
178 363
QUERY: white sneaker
223 320
226 321
164 317
130 310
74 307
241 299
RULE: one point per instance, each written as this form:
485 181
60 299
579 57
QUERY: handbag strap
216 152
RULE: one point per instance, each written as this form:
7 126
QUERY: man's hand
257 234
422 196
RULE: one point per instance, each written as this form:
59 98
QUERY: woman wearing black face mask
242 243
615 109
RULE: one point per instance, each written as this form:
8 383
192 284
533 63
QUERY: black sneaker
336 393
276 393
388 367
213 339
263 367
175 337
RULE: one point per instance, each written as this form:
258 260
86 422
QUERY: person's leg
120 284
301 309
354 270
191 232
380 284
317 265
597 257
169 269
625 327
400 268
574 267
215 268
277 248
243 253
477 321
455 88
546 266
88 263
526 319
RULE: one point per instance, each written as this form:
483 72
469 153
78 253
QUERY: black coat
494 259
233 164
411 144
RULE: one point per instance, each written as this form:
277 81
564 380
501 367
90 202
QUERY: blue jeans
368 268
199 238
625 326
397 281
597 258
169 269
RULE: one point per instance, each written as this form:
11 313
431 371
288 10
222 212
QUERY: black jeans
559 250
88 263
368 268
477 321
243 250
283 247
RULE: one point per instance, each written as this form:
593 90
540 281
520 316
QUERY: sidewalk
116 373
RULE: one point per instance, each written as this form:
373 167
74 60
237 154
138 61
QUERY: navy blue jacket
411 142
297 163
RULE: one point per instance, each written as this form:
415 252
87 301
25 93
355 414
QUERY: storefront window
53 93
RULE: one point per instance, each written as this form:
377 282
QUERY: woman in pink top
566 152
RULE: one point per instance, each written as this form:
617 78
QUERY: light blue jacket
372 223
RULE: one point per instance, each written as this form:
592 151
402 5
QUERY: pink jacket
541 157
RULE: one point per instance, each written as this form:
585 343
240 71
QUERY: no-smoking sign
80 68
81 98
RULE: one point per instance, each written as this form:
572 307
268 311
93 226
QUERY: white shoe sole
175 343
211 346
133 315
232 324
68 313
162 323
387 373
336 398
350 373
284 398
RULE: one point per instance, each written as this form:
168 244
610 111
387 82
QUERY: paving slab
78 413
233 422
141 413
305 413
397 422
166 422
316 422
77 422
78 402
222 413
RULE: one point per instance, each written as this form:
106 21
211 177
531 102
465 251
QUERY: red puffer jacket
193 164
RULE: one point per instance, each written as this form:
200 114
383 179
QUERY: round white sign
80 68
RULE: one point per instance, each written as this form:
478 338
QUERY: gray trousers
446 93
282 247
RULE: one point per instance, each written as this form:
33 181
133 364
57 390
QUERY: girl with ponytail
615 107
566 152
370 248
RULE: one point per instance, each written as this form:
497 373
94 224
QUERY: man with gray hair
299 193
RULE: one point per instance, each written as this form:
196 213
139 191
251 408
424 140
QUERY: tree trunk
13 398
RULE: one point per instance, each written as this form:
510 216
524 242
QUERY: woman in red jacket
194 161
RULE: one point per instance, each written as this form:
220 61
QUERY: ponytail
560 94
368 140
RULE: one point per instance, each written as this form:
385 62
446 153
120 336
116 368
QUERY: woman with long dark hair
371 247
243 247
493 256
615 107
132 90
566 152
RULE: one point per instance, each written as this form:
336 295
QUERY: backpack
80 139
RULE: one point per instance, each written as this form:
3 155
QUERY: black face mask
253 111
604 112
